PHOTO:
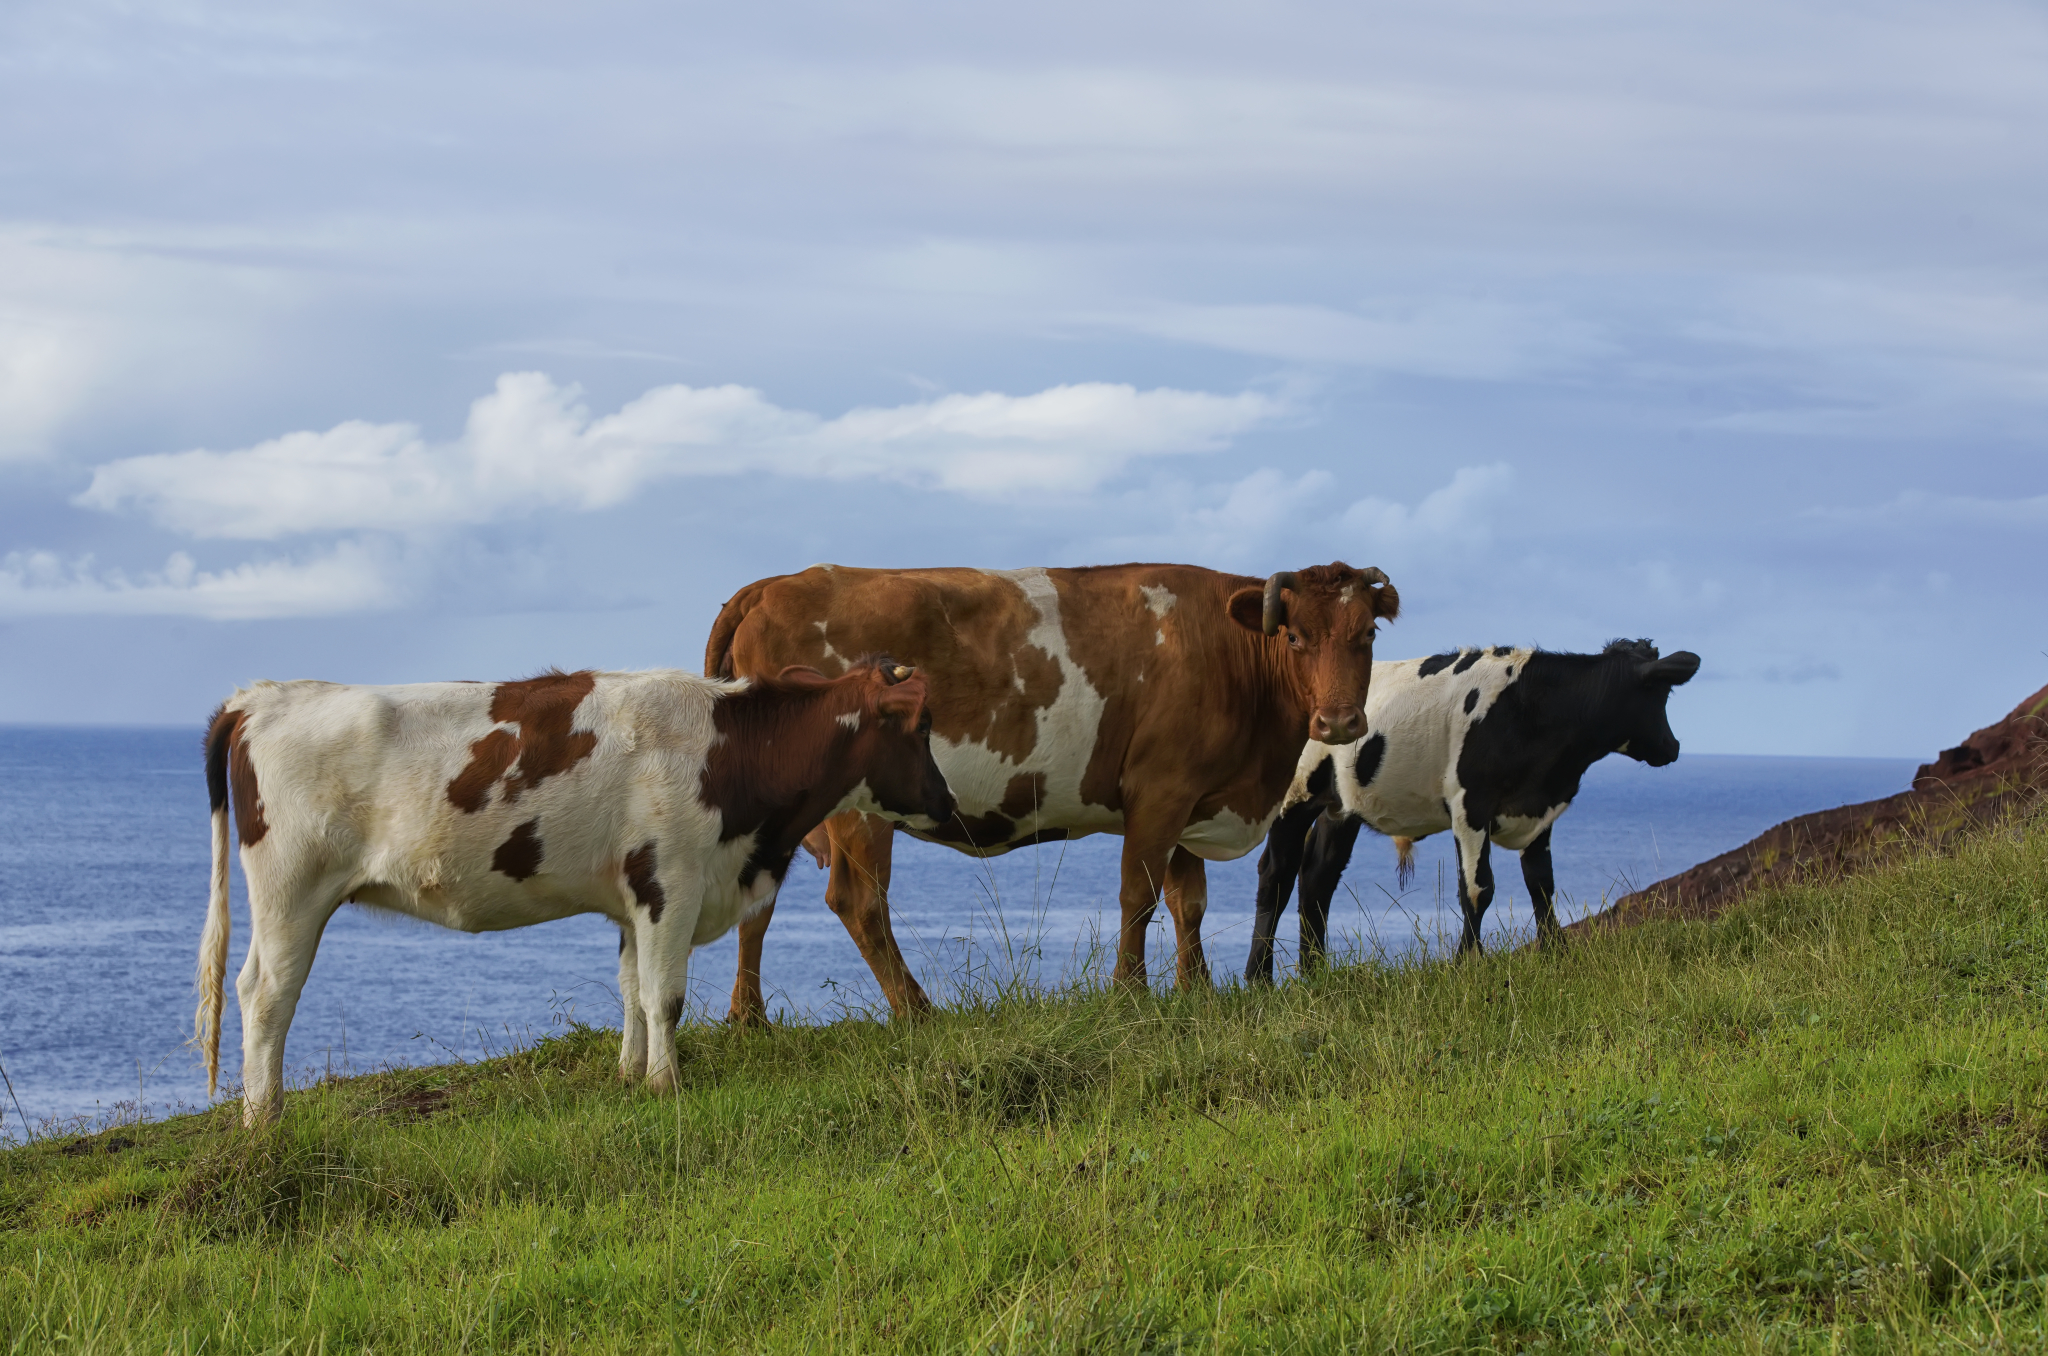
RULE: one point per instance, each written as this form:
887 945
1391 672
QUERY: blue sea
103 866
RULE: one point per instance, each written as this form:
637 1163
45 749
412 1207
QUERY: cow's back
328 753
423 785
1044 681
1417 717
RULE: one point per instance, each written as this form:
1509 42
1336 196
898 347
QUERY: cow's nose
1337 725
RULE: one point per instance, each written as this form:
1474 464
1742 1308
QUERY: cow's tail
213 942
1404 850
718 649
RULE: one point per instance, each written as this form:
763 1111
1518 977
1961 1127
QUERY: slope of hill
1995 772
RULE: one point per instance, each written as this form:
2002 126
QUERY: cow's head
1322 621
1638 684
889 742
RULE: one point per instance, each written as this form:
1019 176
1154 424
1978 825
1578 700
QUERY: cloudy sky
382 342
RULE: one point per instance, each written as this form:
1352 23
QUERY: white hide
354 792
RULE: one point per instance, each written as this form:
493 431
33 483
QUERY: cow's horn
1276 606
898 672
1373 574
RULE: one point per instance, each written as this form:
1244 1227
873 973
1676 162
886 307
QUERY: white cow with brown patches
667 802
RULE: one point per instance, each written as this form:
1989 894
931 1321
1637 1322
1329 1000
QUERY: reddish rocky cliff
1997 769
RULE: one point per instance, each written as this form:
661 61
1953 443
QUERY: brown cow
1167 703
667 802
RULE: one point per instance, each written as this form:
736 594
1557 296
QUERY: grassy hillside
1817 1123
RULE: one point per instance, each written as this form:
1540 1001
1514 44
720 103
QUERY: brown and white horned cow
667 802
1167 703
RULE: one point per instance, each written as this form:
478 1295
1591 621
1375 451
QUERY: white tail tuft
1403 847
213 957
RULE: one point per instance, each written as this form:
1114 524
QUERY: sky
388 342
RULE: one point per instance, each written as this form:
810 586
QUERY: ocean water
103 865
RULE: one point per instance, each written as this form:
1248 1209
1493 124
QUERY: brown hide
784 758
1202 711
541 744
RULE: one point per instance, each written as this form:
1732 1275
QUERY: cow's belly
1225 836
1401 814
1407 799
1518 831
495 906
1007 803
726 901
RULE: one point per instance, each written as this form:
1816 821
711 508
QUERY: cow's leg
1475 883
284 933
664 944
1150 836
749 1007
858 891
1187 899
1542 882
1329 852
632 1021
1278 866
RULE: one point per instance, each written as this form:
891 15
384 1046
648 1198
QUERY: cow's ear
1386 602
1247 607
1672 669
903 701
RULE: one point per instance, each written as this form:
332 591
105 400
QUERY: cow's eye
1294 640
924 723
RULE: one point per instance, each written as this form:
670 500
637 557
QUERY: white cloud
350 578
1266 502
529 445
1458 516
42 375
97 323
1271 516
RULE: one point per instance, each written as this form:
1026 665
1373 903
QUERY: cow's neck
1552 767
1281 707
772 773
1280 689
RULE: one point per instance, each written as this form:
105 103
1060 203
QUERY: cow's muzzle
1336 724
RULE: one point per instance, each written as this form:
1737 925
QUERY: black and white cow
1489 744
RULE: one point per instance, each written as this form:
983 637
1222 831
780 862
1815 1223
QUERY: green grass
1817 1124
